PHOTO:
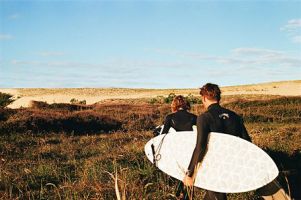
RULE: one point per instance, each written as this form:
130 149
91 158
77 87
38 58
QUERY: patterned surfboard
231 164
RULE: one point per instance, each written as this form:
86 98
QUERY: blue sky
148 44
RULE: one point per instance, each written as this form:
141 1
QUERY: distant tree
5 99
73 101
83 102
76 101
153 101
170 97
192 99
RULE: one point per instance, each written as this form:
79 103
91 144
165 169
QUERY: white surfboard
231 164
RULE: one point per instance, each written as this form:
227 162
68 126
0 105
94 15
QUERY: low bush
167 100
5 113
41 121
43 117
59 106
75 101
132 116
5 99
193 100
288 101
284 109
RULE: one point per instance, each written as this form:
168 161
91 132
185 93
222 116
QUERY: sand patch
92 95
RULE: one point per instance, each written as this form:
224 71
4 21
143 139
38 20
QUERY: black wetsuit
215 119
180 121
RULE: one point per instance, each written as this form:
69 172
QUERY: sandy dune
93 95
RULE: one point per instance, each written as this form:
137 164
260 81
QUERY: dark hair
179 102
211 91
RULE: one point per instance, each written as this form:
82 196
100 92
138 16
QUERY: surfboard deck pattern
231 164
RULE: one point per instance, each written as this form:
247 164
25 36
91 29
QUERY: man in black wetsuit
219 119
215 119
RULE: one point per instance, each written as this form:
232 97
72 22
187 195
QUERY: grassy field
45 153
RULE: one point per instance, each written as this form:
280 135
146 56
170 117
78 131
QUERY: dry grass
51 165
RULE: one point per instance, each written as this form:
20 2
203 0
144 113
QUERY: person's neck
210 103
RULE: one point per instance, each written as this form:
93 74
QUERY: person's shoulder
204 116
228 110
191 114
169 116
204 119
232 113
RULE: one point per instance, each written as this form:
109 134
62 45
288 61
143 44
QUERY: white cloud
114 66
188 69
50 53
293 30
14 16
265 58
234 61
183 54
297 39
292 25
256 52
67 64
248 57
6 37
18 62
119 73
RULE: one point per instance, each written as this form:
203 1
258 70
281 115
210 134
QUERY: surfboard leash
158 156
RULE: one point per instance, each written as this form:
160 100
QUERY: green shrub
153 101
160 99
5 113
76 101
5 99
169 98
73 100
193 100
59 106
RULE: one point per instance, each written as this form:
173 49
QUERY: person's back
181 120
223 120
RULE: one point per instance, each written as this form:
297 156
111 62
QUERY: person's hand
157 131
188 181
